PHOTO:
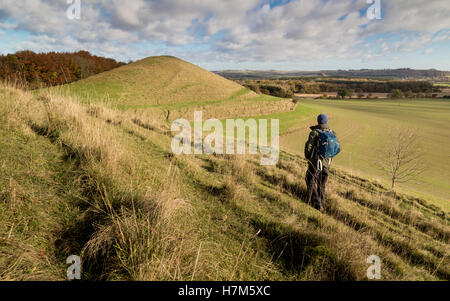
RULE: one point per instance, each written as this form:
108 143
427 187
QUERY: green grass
168 88
36 202
155 81
290 120
443 84
199 103
363 127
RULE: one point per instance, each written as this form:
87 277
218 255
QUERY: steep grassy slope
144 214
36 200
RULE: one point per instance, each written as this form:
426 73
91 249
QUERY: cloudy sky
238 34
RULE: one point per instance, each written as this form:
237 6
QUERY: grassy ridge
139 213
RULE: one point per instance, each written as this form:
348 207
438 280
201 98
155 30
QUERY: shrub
396 94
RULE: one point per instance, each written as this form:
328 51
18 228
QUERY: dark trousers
316 181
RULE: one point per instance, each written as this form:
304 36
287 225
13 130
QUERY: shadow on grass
299 252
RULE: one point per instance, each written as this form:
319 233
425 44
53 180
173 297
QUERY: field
364 126
334 95
100 180
442 84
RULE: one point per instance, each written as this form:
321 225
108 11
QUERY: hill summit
160 80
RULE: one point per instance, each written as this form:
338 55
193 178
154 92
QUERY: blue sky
237 34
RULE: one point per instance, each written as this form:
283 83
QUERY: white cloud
234 30
7 26
428 51
412 16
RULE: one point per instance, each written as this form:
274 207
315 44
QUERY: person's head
322 119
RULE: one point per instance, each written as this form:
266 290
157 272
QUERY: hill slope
159 89
361 125
120 198
158 81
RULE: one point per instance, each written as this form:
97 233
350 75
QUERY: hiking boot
318 206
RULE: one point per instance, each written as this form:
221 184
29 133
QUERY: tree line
36 70
287 88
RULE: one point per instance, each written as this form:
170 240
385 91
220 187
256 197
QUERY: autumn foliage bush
36 70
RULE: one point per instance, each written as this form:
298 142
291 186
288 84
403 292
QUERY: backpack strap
319 164
317 146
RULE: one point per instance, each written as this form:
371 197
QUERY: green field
442 84
363 126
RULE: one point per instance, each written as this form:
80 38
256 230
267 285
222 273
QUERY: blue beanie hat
322 119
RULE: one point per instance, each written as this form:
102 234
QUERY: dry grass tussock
411 239
138 232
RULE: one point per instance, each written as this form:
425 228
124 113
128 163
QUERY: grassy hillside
106 187
165 88
364 126
36 200
157 81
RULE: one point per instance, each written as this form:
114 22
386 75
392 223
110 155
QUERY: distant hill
404 73
35 70
154 81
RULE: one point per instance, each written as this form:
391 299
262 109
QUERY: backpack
328 144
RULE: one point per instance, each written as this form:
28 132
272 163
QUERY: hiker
321 147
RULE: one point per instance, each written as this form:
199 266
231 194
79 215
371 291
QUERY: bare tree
402 158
